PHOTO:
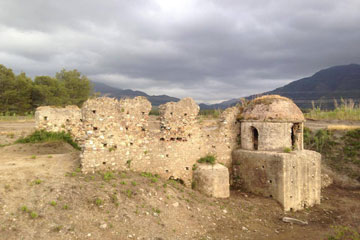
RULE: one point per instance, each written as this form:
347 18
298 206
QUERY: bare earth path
44 196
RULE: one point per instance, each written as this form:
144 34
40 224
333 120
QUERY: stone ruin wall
59 119
116 135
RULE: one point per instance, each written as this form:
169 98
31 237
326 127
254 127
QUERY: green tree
24 88
7 88
49 91
78 86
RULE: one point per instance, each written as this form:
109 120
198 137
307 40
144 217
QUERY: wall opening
255 138
295 136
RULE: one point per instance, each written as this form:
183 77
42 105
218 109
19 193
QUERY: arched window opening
295 136
255 138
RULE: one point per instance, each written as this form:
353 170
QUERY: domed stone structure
272 161
272 122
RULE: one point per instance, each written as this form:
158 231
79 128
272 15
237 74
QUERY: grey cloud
210 50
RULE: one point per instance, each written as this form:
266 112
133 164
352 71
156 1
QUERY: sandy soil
44 196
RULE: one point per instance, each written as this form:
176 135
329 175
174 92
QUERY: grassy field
347 110
15 117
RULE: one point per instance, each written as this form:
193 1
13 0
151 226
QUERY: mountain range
323 87
107 90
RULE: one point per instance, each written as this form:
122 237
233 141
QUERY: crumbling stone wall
59 119
115 135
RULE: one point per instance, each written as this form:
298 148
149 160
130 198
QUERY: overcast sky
210 50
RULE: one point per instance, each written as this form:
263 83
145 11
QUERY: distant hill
155 100
322 88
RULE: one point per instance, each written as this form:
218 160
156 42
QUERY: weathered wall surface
212 180
293 179
272 136
115 135
58 119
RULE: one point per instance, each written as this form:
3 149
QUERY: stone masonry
263 151
115 135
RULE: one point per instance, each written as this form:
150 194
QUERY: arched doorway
255 138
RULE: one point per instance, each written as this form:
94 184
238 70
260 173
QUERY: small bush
287 150
53 203
24 209
45 136
209 159
34 215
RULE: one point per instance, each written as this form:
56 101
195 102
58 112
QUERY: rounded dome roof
272 108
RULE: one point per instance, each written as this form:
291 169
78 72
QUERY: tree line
20 94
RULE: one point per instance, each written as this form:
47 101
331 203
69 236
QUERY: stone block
212 180
293 179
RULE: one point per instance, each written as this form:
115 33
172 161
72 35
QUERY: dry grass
16 118
347 110
342 127
268 99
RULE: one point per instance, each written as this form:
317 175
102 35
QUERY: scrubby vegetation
209 159
340 151
211 113
347 110
344 233
45 136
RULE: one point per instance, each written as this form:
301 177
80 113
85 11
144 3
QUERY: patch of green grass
156 210
33 157
339 113
128 163
153 177
154 111
210 113
133 183
209 159
111 149
352 146
129 193
108 176
45 136
53 203
98 202
37 181
123 183
7 116
287 150
65 207
344 233
34 215
24 209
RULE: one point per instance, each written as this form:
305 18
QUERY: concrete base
212 180
293 179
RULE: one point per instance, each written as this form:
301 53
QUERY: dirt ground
43 195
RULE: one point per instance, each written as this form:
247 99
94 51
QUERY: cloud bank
210 50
